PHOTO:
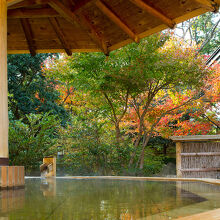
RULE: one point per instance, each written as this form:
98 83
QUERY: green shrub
29 142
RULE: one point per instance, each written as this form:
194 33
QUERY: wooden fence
198 156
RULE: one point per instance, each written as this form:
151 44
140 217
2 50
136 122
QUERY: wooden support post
3 85
178 159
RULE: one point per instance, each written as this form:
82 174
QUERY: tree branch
205 116
209 38
112 107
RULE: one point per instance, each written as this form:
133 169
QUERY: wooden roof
195 138
40 26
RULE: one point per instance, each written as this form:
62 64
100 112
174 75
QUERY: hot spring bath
110 199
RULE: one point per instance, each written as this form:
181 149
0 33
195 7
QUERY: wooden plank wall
200 159
11 176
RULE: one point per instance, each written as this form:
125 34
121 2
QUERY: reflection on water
99 199
48 187
11 200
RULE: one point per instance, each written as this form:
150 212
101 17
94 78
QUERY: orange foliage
173 123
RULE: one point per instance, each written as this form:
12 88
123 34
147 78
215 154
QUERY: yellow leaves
160 94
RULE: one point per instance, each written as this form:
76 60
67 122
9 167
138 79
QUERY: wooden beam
65 12
29 35
80 4
57 29
27 3
196 138
152 11
94 34
109 13
80 50
32 13
210 5
200 154
13 2
68 15
3 83
161 27
201 169
68 3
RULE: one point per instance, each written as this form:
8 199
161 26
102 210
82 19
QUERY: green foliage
110 79
202 28
30 91
202 31
29 142
152 165
90 148
144 74
133 67
105 90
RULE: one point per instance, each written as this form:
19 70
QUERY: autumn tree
100 80
139 76
201 116
167 70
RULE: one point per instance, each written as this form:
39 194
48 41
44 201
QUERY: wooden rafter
72 2
66 13
80 4
27 3
68 3
76 5
91 37
22 4
29 35
109 13
71 17
209 4
152 11
32 13
12 2
94 33
57 29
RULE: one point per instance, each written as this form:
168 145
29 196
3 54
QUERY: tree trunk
117 133
140 132
136 144
141 159
16 113
165 149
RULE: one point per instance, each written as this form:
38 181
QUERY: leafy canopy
30 91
